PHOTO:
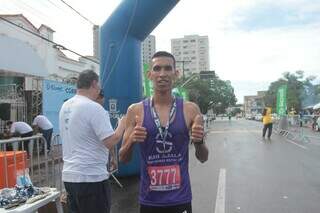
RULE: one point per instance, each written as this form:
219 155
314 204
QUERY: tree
299 90
213 94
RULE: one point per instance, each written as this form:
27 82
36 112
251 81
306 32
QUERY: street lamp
188 80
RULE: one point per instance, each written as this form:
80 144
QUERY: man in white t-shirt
112 164
46 128
21 129
87 136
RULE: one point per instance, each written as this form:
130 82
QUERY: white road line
221 192
233 131
303 147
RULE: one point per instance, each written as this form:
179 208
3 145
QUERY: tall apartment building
148 48
96 45
191 53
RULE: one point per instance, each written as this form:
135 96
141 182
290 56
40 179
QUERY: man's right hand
139 133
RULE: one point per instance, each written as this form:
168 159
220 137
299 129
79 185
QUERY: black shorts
88 197
182 208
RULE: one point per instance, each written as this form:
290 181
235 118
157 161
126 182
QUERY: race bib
164 178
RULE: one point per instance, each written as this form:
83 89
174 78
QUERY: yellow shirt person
267 122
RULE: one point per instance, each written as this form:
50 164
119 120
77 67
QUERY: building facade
191 53
26 60
148 48
96 45
254 104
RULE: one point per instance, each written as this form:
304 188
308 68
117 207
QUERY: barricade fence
297 128
28 156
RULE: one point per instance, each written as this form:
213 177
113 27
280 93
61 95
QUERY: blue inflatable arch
120 51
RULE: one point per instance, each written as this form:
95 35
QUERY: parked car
249 117
258 117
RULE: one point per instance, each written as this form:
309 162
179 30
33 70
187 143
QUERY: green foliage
213 94
297 90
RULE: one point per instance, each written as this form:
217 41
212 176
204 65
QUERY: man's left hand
197 130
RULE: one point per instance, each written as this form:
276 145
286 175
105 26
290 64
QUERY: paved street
246 174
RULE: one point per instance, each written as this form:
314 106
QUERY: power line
77 12
56 45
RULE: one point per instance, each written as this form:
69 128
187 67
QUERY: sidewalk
304 134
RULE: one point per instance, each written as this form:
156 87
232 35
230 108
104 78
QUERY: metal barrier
56 160
114 168
44 168
297 128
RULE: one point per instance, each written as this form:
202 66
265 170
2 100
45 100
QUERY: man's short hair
86 78
164 54
9 123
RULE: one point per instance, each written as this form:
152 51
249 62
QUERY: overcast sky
252 42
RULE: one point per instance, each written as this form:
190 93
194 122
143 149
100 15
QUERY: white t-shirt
42 122
83 126
20 127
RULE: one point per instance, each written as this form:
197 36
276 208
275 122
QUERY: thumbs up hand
138 121
197 131
139 133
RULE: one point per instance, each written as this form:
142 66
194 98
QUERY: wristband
200 142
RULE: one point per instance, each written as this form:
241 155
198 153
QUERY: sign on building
54 95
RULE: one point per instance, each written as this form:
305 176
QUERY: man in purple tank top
161 126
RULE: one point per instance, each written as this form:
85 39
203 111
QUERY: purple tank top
164 175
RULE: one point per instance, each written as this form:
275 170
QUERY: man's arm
197 133
116 137
134 133
113 159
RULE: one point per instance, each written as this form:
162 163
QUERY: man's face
162 73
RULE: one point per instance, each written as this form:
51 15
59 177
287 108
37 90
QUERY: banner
180 92
147 84
282 100
53 96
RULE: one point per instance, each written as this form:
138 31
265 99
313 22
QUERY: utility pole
183 62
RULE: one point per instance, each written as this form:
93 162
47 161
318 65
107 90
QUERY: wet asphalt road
245 173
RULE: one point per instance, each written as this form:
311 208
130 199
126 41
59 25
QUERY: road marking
233 131
290 141
221 192
224 143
